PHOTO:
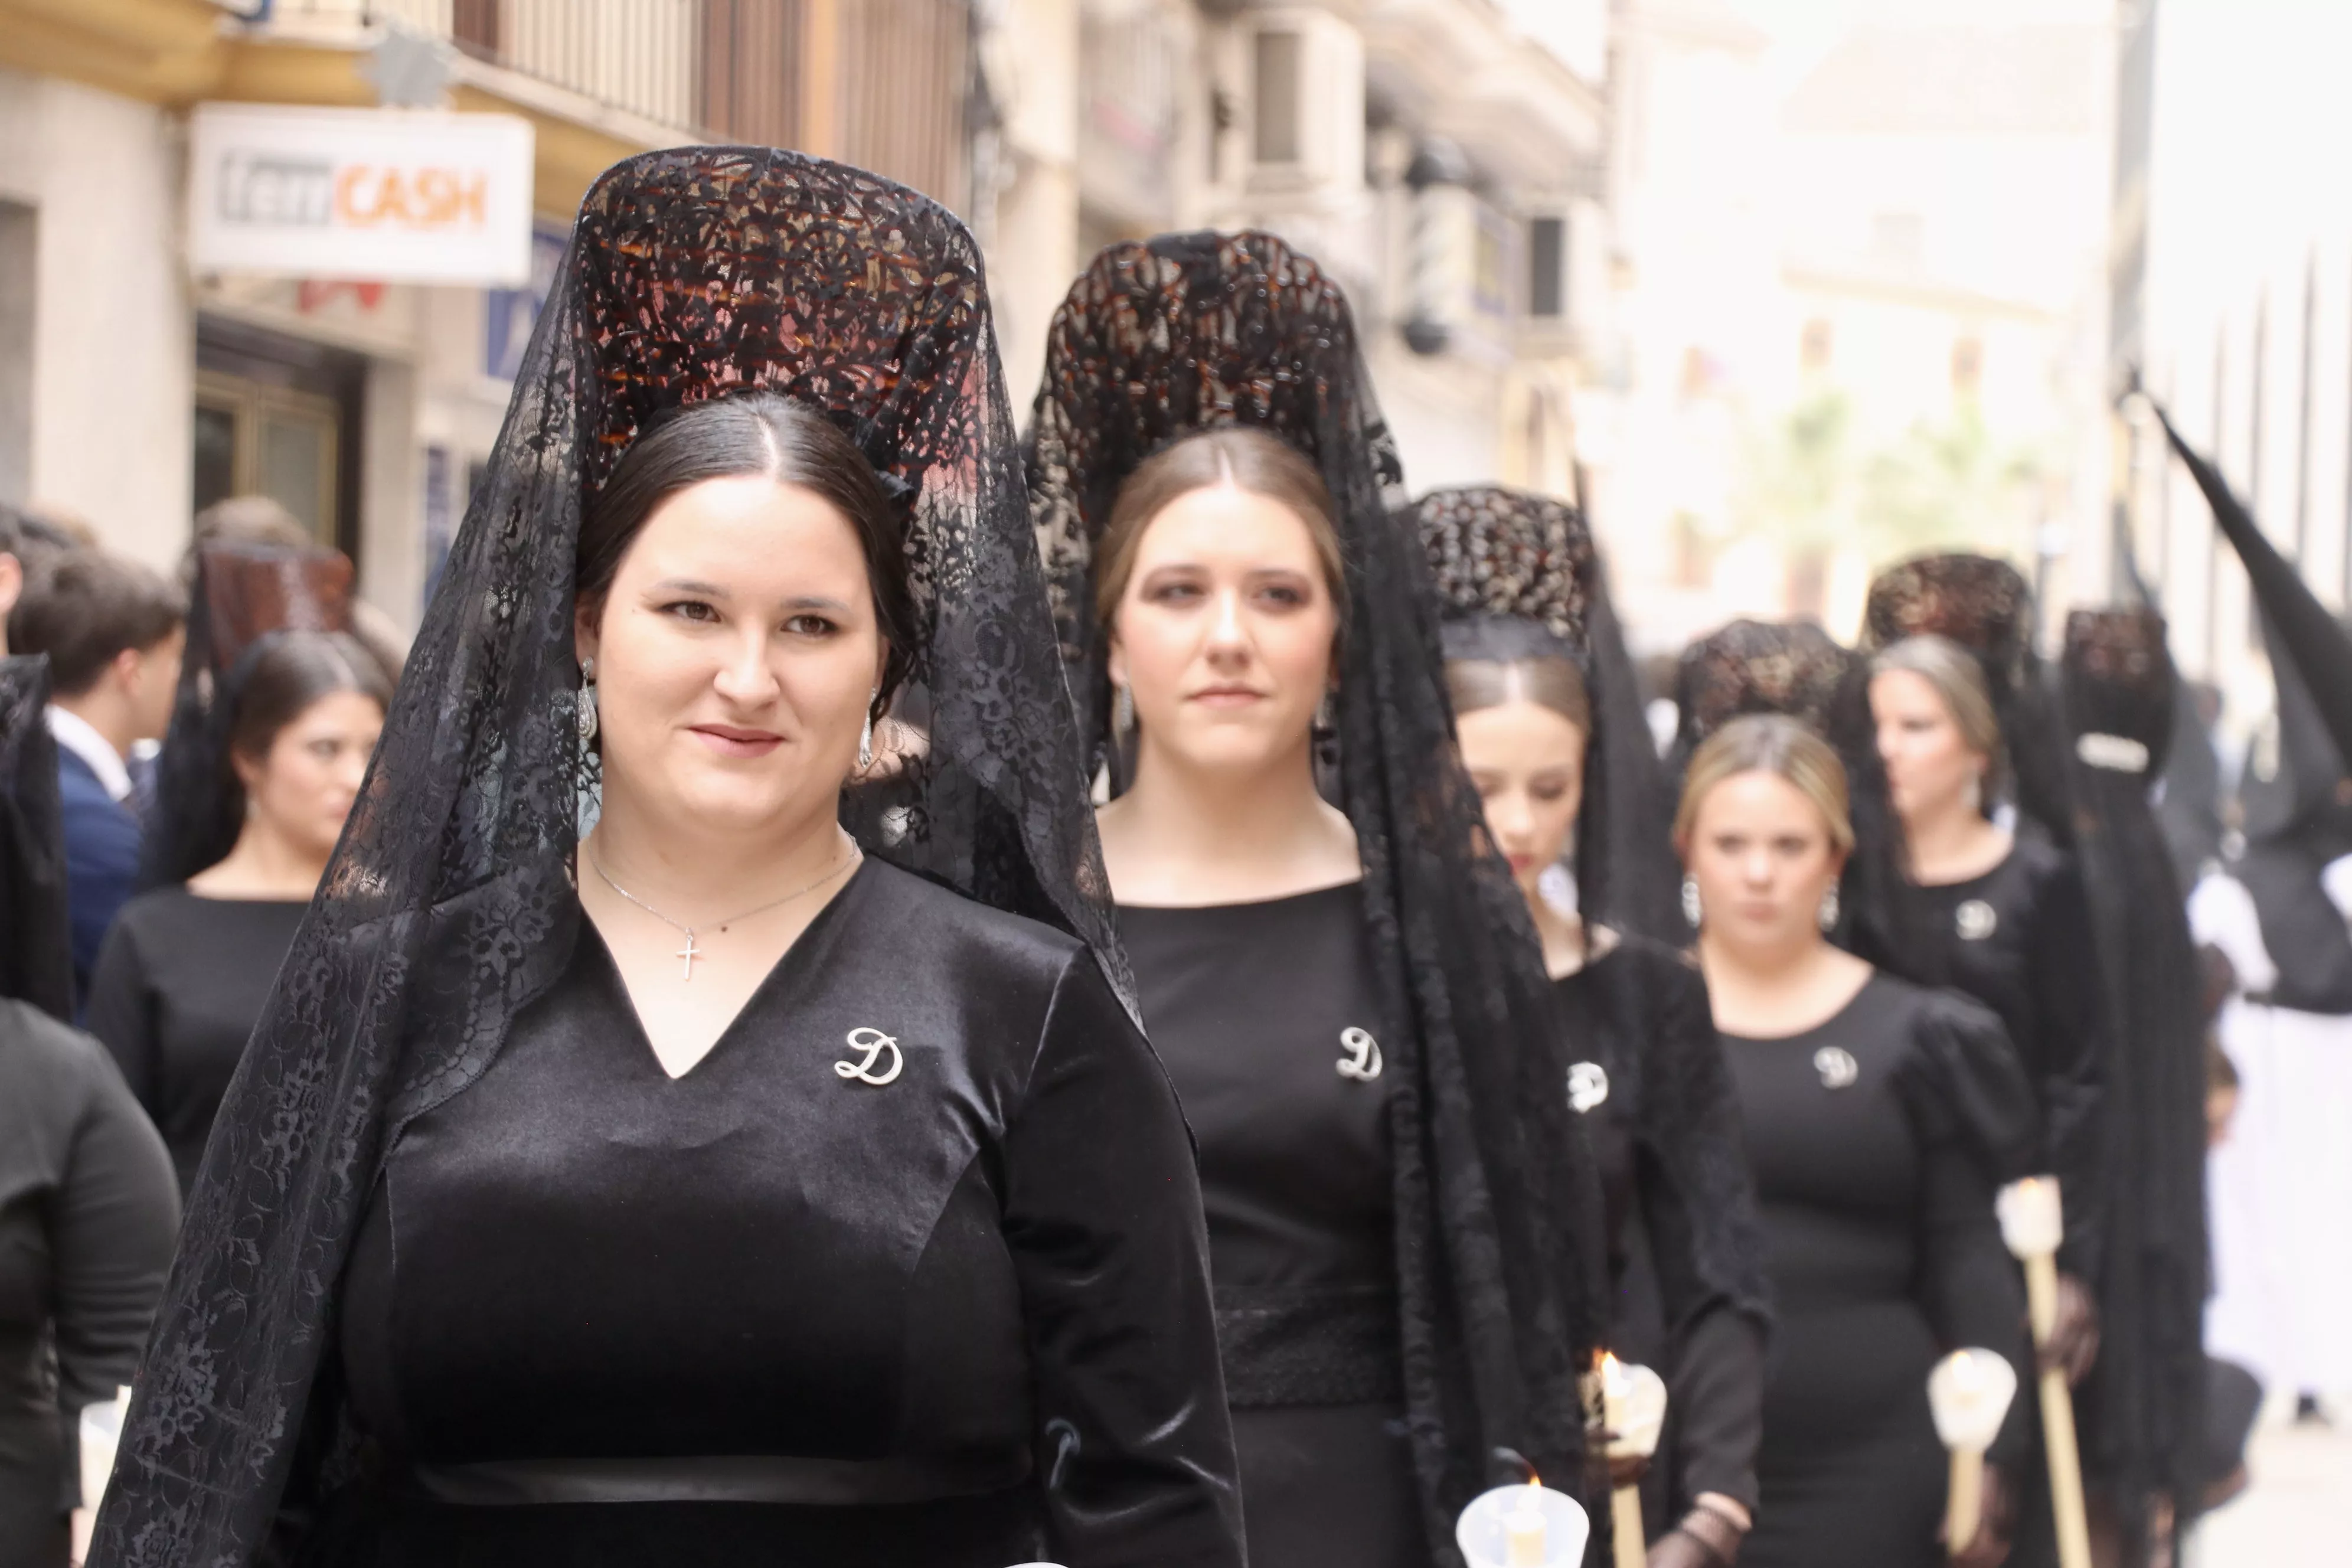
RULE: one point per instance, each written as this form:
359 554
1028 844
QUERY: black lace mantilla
1500 1269
1519 576
1986 606
692 274
1796 669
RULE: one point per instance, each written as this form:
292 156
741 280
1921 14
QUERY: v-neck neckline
779 975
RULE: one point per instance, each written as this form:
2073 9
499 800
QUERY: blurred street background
1781 290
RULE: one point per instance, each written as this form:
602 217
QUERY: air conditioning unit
1306 104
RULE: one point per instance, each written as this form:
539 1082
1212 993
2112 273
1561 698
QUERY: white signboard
393 195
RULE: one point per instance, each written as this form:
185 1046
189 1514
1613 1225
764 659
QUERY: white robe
2280 1187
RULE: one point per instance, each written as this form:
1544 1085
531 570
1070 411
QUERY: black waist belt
756 1478
1329 1344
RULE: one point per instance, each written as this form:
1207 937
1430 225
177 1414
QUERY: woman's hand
1989 1548
2074 1336
1707 1538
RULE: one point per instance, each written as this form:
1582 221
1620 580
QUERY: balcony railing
879 83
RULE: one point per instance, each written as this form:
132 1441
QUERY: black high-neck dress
1879 1139
2017 939
1685 1256
181 980
909 1269
1269 1019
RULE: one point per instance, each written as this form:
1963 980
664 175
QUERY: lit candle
1528 1526
1523 1530
1968 1393
2033 1224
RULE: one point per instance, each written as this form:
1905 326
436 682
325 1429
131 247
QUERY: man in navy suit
114 631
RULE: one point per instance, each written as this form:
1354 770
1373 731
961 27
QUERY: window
1548 267
1275 119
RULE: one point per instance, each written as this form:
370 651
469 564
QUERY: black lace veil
1986 606
1519 577
242 593
2116 691
1497 1210
691 274
1794 668
36 956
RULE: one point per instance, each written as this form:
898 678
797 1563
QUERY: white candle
1523 1530
1968 1394
1528 1526
2032 1222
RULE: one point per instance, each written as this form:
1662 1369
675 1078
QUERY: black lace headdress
691 274
1794 668
2116 690
242 593
1495 1198
1986 606
1519 576
35 957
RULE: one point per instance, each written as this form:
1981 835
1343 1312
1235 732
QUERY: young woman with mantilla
1552 734
1392 1184
716 1185
264 760
1995 913
1880 1119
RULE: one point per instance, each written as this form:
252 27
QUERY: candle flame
1535 1481
1614 1381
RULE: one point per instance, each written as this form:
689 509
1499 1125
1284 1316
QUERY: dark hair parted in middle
758 433
1247 458
1547 680
285 674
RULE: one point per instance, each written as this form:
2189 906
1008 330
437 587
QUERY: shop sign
388 194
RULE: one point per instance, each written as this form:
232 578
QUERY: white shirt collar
76 734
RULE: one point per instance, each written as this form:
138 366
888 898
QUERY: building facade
1443 162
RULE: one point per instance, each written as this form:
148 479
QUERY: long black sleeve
1971 1105
1103 1213
121 1012
1699 1206
2072 1071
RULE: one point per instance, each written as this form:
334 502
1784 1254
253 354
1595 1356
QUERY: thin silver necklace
691 951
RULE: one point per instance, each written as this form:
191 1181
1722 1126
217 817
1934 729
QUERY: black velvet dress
2017 939
1878 1140
952 1313
180 982
1268 1017
1684 1259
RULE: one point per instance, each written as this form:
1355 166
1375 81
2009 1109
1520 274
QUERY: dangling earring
1326 712
1828 915
586 716
1122 713
866 736
1690 901
1974 794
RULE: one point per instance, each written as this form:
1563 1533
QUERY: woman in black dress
1996 914
1395 1193
1880 1119
1553 737
722 1182
186 968
87 1206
